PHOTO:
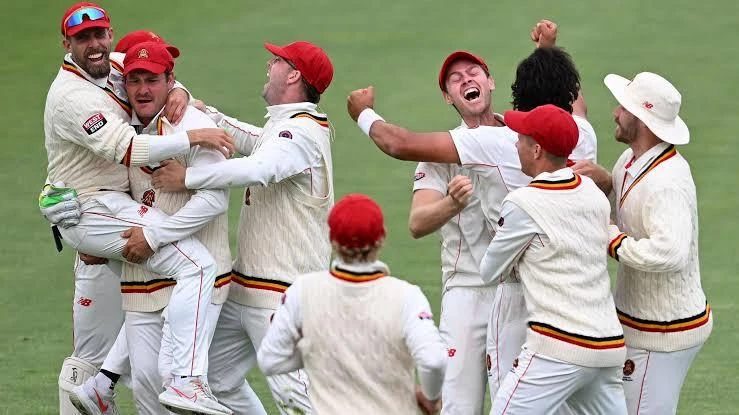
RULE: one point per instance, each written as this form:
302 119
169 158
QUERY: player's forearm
659 253
429 218
240 172
203 207
245 135
150 149
501 254
404 144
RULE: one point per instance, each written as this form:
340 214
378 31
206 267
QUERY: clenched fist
460 190
359 100
544 33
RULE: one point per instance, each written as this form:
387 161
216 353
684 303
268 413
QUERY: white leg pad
75 372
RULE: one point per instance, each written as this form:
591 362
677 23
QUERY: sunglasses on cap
76 18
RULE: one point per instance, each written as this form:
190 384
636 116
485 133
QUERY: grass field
397 46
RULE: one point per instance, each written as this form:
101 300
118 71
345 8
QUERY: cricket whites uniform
659 298
145 295
363 362
96 311
490 154
85 124
550 234
282 234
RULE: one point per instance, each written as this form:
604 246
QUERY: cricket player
148 77
655 241
289 179
380 330
85 127
550 235
491 161
97 313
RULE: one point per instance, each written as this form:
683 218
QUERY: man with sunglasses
283 228
90 144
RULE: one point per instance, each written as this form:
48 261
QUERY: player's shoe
91 401
192 397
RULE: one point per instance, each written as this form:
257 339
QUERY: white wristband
366 118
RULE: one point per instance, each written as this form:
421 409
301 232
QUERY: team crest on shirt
94 123
420 175
247 196
501 221
515 363
148 197
488 362
286 134
629 367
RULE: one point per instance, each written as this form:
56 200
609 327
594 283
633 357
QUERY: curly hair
547 76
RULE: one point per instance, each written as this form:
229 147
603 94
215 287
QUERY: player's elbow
436 362
416 227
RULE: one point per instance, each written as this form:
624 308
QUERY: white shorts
465 312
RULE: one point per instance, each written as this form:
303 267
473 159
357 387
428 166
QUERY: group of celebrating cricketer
138 179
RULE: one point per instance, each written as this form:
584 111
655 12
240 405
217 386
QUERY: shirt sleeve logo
286 134
501 221
420 175
94 123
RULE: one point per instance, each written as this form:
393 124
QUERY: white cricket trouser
104 218
165 353
238 335
540 385
96 313
144 334
652 380
506 332
117 359
465 312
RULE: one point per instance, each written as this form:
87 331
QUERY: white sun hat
653 100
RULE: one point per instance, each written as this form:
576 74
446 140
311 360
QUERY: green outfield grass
397 46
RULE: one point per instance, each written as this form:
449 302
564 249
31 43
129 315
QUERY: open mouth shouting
471 94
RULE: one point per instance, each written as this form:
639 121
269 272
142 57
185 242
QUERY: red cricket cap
312 62
552 127
149 56
455 56
76 20
356 221
140 36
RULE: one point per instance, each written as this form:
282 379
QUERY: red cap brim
173 51
277 51
87 24
148 66
516 121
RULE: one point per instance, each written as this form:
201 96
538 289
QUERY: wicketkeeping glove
59 205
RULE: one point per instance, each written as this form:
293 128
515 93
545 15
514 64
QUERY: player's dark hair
311 93
547 76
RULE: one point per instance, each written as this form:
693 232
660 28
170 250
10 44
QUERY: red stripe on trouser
197 310
641 390
518 382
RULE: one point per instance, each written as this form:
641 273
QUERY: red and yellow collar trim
121 102
353 276
565 184
669 152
